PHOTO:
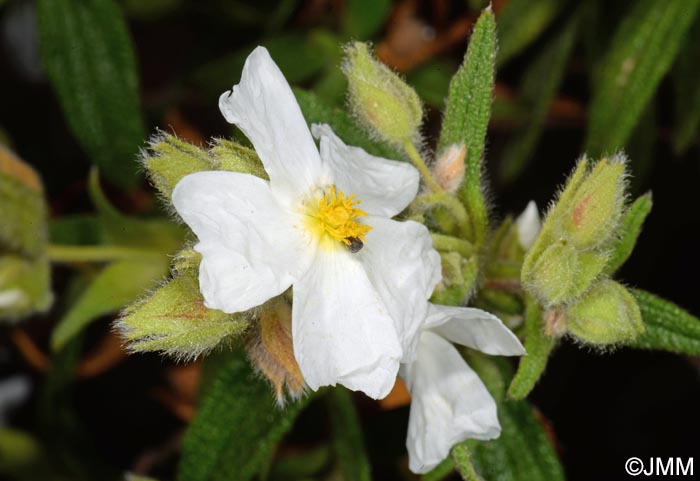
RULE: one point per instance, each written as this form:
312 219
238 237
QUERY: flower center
335 217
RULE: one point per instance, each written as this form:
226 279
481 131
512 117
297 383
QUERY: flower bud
270 349
529 225
597 205
383 102
607 314
551 278
449 167
458 279
24 286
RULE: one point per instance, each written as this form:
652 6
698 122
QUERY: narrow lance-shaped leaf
237 426
523 452
115 286
538 346
521 22
667 326
467 116
686 76
641 53
628 231
347 436
89 59
538 88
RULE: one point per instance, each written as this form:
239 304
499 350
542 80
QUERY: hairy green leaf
521 22
538 346
522 452
463 463
641 52
89 59
175 321
114 287
347 436
538 87
627 232
668 327
467 116
237 426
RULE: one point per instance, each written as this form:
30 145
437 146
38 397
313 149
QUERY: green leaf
347 436
467 116
237 426
362 18
161 235
89 59
538 346
463 463
668 327
641 52
538 87
114 287
627 232
315 111
523 452
175 321
686 76
521 22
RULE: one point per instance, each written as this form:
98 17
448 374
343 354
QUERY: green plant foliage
467 115
668 327
114 287
521 22
237 426
640 54
463 463
537 89
347 436
522 452
175 321
686 77
89 59
628 231
538 346
364 17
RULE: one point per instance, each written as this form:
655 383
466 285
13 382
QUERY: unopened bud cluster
565 268
382 102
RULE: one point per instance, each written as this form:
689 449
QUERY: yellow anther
335 215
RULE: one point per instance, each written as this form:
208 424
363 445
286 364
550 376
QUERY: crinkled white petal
473 328
449 404
404 268
385 187
251 249
263 106
341 330
528 225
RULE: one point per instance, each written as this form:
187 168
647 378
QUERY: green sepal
667 326
605 315
552 278
458 280
538 346
627 232
174 321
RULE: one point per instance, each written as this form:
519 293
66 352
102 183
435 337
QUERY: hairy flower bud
449 167
597 205
607 314
381 100
271 350
552 276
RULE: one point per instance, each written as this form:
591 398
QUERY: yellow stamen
335 216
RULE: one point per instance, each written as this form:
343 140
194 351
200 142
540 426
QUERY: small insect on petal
355 244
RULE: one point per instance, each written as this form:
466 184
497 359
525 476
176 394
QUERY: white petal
449 404
250 249
474 328
263 106
341 331
404 268
528 224
384 186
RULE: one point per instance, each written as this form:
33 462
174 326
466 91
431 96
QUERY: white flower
449 402
322 224
528 225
